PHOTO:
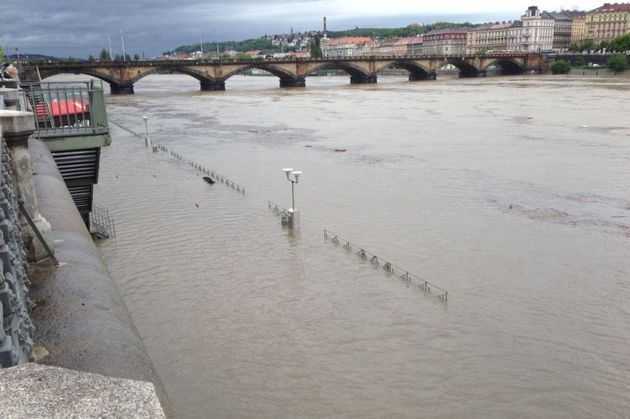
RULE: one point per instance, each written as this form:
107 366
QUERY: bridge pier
468 74
120 89
422 76
212 85
363 79
299 81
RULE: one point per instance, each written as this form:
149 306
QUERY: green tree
618 63
560 67
586 45
136 57
104 56
2 57
91 58
243 57
315 47
621 44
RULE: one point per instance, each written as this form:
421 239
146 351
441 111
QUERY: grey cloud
80 28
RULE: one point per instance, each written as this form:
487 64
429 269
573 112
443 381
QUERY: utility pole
111 53
19 66
122 42
201 44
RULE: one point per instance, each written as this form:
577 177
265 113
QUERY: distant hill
32 57
411 30
264 44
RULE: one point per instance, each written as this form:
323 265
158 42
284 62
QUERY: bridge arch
506 66
417 71
287 77
465 68
269 68
358 75
51 73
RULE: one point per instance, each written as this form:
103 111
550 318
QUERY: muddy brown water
512 193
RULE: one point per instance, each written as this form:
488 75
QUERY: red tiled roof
613 7
412 40
356 40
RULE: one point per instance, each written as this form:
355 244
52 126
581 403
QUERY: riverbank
63 309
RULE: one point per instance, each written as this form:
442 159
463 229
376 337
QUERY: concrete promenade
84 322
36 391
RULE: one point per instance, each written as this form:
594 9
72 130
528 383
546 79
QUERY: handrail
73 64
428 287
65 108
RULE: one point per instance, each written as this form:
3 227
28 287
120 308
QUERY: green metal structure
71 118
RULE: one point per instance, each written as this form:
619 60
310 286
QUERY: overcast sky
82 27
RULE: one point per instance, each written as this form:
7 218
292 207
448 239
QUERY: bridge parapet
212 74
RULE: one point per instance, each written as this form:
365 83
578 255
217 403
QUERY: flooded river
512 193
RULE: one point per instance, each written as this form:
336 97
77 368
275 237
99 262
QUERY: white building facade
537 31
534 33
445 42
347 47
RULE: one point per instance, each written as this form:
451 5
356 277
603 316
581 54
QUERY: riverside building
494 37
445 42
399 47
563 27
537 31
533 33
578 30
348 46
607 22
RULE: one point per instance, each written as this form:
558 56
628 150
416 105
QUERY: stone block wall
16 327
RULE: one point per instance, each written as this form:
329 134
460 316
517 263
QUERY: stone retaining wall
16 327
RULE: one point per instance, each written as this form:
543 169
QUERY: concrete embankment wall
82 320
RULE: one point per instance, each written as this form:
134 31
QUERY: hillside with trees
265 44
384 33
260 44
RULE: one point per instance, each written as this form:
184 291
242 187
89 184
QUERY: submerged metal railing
284 214
63 109
213 174
102 225
389 268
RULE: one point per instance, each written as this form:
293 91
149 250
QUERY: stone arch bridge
212 74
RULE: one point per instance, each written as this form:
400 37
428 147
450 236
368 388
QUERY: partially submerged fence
213 174
102 225
283 213
389 268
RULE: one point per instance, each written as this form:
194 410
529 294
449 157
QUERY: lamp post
147 139
293 176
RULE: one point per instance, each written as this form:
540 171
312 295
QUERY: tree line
620 44
617 63
405 32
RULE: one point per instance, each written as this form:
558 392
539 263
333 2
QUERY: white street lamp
147 139
293 176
